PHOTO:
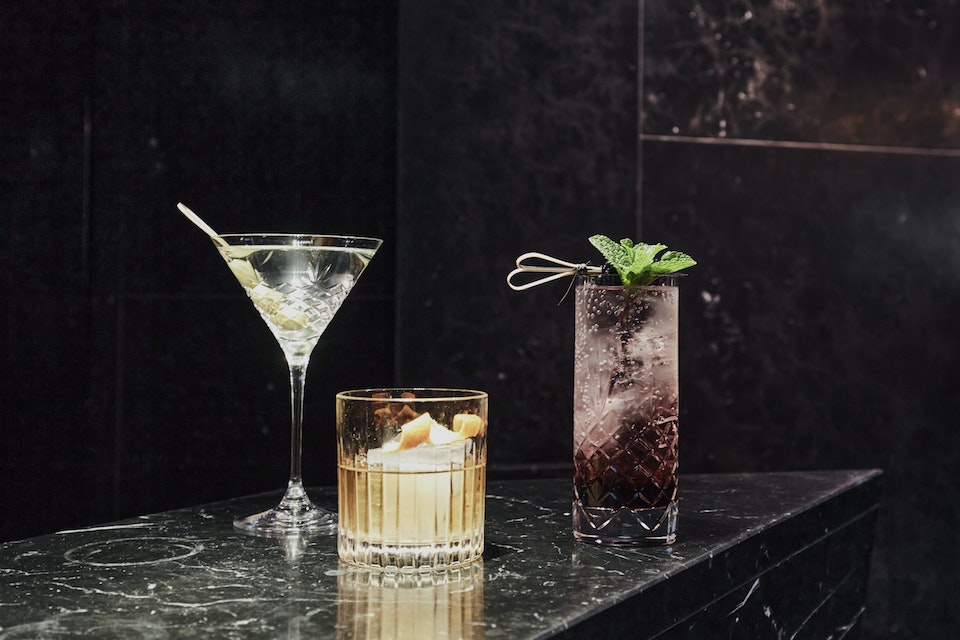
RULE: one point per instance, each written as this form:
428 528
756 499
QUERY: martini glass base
295 515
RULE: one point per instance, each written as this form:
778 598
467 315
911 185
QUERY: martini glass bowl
297 282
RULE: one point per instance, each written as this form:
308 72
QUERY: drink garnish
637 262
197 220
424 430
467 425
419 429
416 432
245 273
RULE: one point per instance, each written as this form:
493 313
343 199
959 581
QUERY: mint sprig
637 263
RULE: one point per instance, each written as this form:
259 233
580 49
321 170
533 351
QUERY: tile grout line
788 144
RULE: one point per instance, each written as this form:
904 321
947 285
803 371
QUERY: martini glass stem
295 497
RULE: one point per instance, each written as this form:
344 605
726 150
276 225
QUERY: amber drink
411 477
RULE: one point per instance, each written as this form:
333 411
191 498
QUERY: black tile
258 121
818 330
856 72
518 132
54 464
204 403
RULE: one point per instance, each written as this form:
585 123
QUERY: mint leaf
647 253
672 261
619 255
637 263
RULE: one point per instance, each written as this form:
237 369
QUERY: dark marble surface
756 553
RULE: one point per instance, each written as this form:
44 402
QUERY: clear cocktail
297 283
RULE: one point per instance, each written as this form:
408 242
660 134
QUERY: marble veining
187 574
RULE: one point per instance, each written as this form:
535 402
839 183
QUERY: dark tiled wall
862 72
809 153
805 152
135 374
51 458
518 132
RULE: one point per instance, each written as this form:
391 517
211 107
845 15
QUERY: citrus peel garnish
425 430
416 432
467 425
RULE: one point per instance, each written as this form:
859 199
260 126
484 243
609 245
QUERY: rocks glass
411 477
625 411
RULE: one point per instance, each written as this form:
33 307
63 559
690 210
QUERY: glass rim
668 280
443 394
334 239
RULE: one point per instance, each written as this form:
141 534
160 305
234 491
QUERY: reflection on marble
814 71
754 550
410 606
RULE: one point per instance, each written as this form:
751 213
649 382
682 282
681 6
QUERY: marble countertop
188 574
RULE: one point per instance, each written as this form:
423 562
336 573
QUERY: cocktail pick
556 267
195 219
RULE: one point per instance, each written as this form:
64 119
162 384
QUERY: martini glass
297 283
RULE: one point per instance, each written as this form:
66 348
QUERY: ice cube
425 458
